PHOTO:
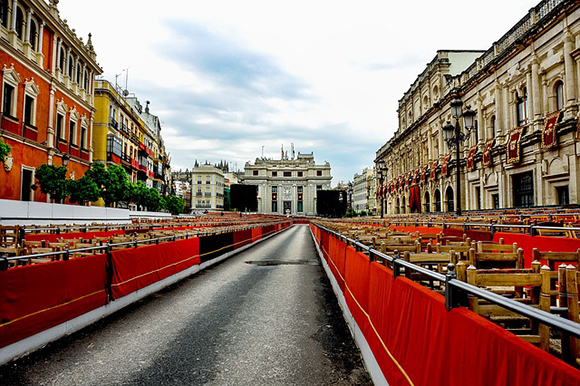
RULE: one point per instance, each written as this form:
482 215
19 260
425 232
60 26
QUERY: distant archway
449 199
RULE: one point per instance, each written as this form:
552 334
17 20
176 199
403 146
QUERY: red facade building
47 98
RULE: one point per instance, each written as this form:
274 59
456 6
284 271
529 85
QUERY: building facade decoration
288 185
524 91
47 104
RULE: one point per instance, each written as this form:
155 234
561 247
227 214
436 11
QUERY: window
477 198
493 126
19 23
4 12
319 173
86 80
79 72
287 174
254 172
300 174
274 174
84 132
61 59
522 108
59 127
71 67
8 105
29 110
300 207
559 96
318 187
114 145
523 190
32 36
72 133
274 206
27 194
562 194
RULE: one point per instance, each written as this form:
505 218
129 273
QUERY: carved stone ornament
8 162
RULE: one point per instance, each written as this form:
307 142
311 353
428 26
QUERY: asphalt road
266 316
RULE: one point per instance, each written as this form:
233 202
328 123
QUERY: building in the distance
359 192
207 188
47 106
288 185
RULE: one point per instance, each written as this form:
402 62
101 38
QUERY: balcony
135 138
30 132
134 164
150 174
143 168
113 123
111 157
158 176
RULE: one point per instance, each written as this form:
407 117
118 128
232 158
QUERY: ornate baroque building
288 186
523 150
47 106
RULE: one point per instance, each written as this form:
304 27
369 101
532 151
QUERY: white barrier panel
14 212
151 215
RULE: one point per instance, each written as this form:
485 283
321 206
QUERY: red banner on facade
513 148
487 153
444 168
424 172
434 168
471 159
549 138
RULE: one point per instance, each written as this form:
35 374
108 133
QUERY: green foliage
153 200
362 213
4 150
173 204
52 180
83 190
112 182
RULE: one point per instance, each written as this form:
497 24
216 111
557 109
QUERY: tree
112 182
153 200
83 190
52 180
4 150
173 204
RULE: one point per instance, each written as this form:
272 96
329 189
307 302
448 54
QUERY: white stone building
288 186
207 184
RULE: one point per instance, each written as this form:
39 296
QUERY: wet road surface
266 316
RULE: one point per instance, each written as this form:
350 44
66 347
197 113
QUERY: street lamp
382 174
350 195
65 159
454 136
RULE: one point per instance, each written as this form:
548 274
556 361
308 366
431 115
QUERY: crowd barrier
408 337
36 298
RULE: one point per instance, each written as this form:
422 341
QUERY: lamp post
454 136
65 160
382 174
350 185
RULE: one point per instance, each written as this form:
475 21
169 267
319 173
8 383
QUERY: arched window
4 12
62 59
493 126
32 38
19 23
71 66
449 199
427 202
437 202
79 73
559 95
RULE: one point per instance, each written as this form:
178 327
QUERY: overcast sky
227 77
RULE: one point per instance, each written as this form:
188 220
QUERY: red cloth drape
549 137
513 147
37 297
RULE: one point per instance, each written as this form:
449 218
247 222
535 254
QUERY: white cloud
227 77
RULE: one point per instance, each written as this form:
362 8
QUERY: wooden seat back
496 259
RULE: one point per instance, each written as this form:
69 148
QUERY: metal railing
455 290
107 247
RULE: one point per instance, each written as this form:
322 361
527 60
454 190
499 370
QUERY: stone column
571 107
506 122
14 12
54 54
27 30
51 107
536 91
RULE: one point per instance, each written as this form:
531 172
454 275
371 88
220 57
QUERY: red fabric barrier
422 230
356 292
242 238
543 243
417 341
256 234
37 297
51 237
473 235
137 268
